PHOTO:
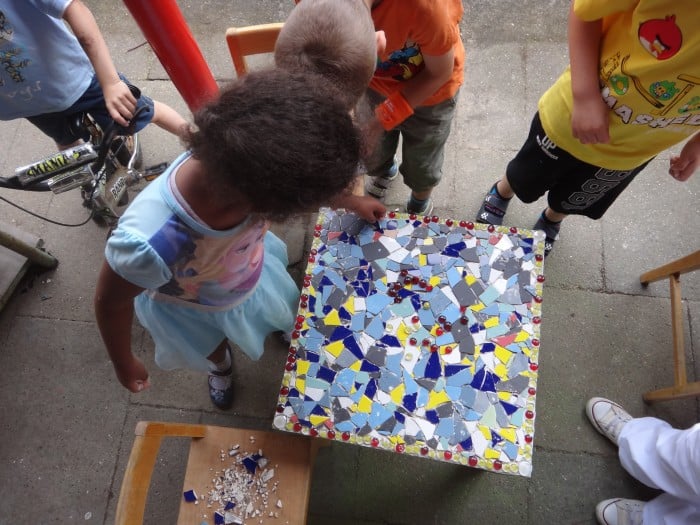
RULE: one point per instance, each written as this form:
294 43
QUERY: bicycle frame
104 168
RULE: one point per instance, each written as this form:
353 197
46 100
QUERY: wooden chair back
251 40
673 271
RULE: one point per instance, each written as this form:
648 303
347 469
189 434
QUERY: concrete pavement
66 425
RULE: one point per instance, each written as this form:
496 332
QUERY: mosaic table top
420 336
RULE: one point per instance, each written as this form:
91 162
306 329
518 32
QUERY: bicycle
104 168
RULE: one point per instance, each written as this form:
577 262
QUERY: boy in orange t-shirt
414 89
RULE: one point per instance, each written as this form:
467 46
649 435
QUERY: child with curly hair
192 255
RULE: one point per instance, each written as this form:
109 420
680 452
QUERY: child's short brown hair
332 38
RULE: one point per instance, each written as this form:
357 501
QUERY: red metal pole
166 30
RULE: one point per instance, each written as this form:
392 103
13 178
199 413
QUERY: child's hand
369 208
133 375
589 121
685 164
120 102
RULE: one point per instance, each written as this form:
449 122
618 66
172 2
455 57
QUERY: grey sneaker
607 417
551 232
378 186
493 208
425 209
620 511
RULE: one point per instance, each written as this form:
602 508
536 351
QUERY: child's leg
221 376
170 120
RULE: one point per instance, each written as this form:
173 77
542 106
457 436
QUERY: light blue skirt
185 336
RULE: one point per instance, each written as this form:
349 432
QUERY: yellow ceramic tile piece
503 355
508 434
318 420
522 336
335 348
398 393
489 453
364 405
491 322
302 367
437 398
501 371
300 384
332 318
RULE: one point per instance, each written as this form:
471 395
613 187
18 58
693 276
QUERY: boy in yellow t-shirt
643 57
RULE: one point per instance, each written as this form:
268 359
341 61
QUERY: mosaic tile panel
419 336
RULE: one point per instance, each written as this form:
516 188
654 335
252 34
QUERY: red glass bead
513 229
536 320
292 349
317 234
313 432
426 342
289 367
314 251
448 455
317 227
392 214
540 278
449 222
412 216
463 320
304 297
434 218
375 442
297 427
528 438
400 448
473 461
415 279
330 434
532 391
280 409
291 358
413 341
404 272
470 225
439 331
497 465
535 342
312 258
415 319
426 219
303 304
424 451
533 366
491 228
463 224
434 348
300 318
298 326
391 293
537 299
441 319
539 257
463 308
448 327
345 436
529 414
448 350
407 280
296 334
397 299
397 286
422 283
284 390
429 288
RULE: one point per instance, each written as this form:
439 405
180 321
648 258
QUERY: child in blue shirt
50 74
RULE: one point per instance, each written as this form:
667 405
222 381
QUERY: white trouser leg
665 458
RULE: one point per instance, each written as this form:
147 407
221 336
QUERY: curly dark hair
278 139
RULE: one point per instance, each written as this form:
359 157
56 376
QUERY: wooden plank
13 266
679 266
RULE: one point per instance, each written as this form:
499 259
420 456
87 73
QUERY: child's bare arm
438 70
589 120
120 102
114 310
684 165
